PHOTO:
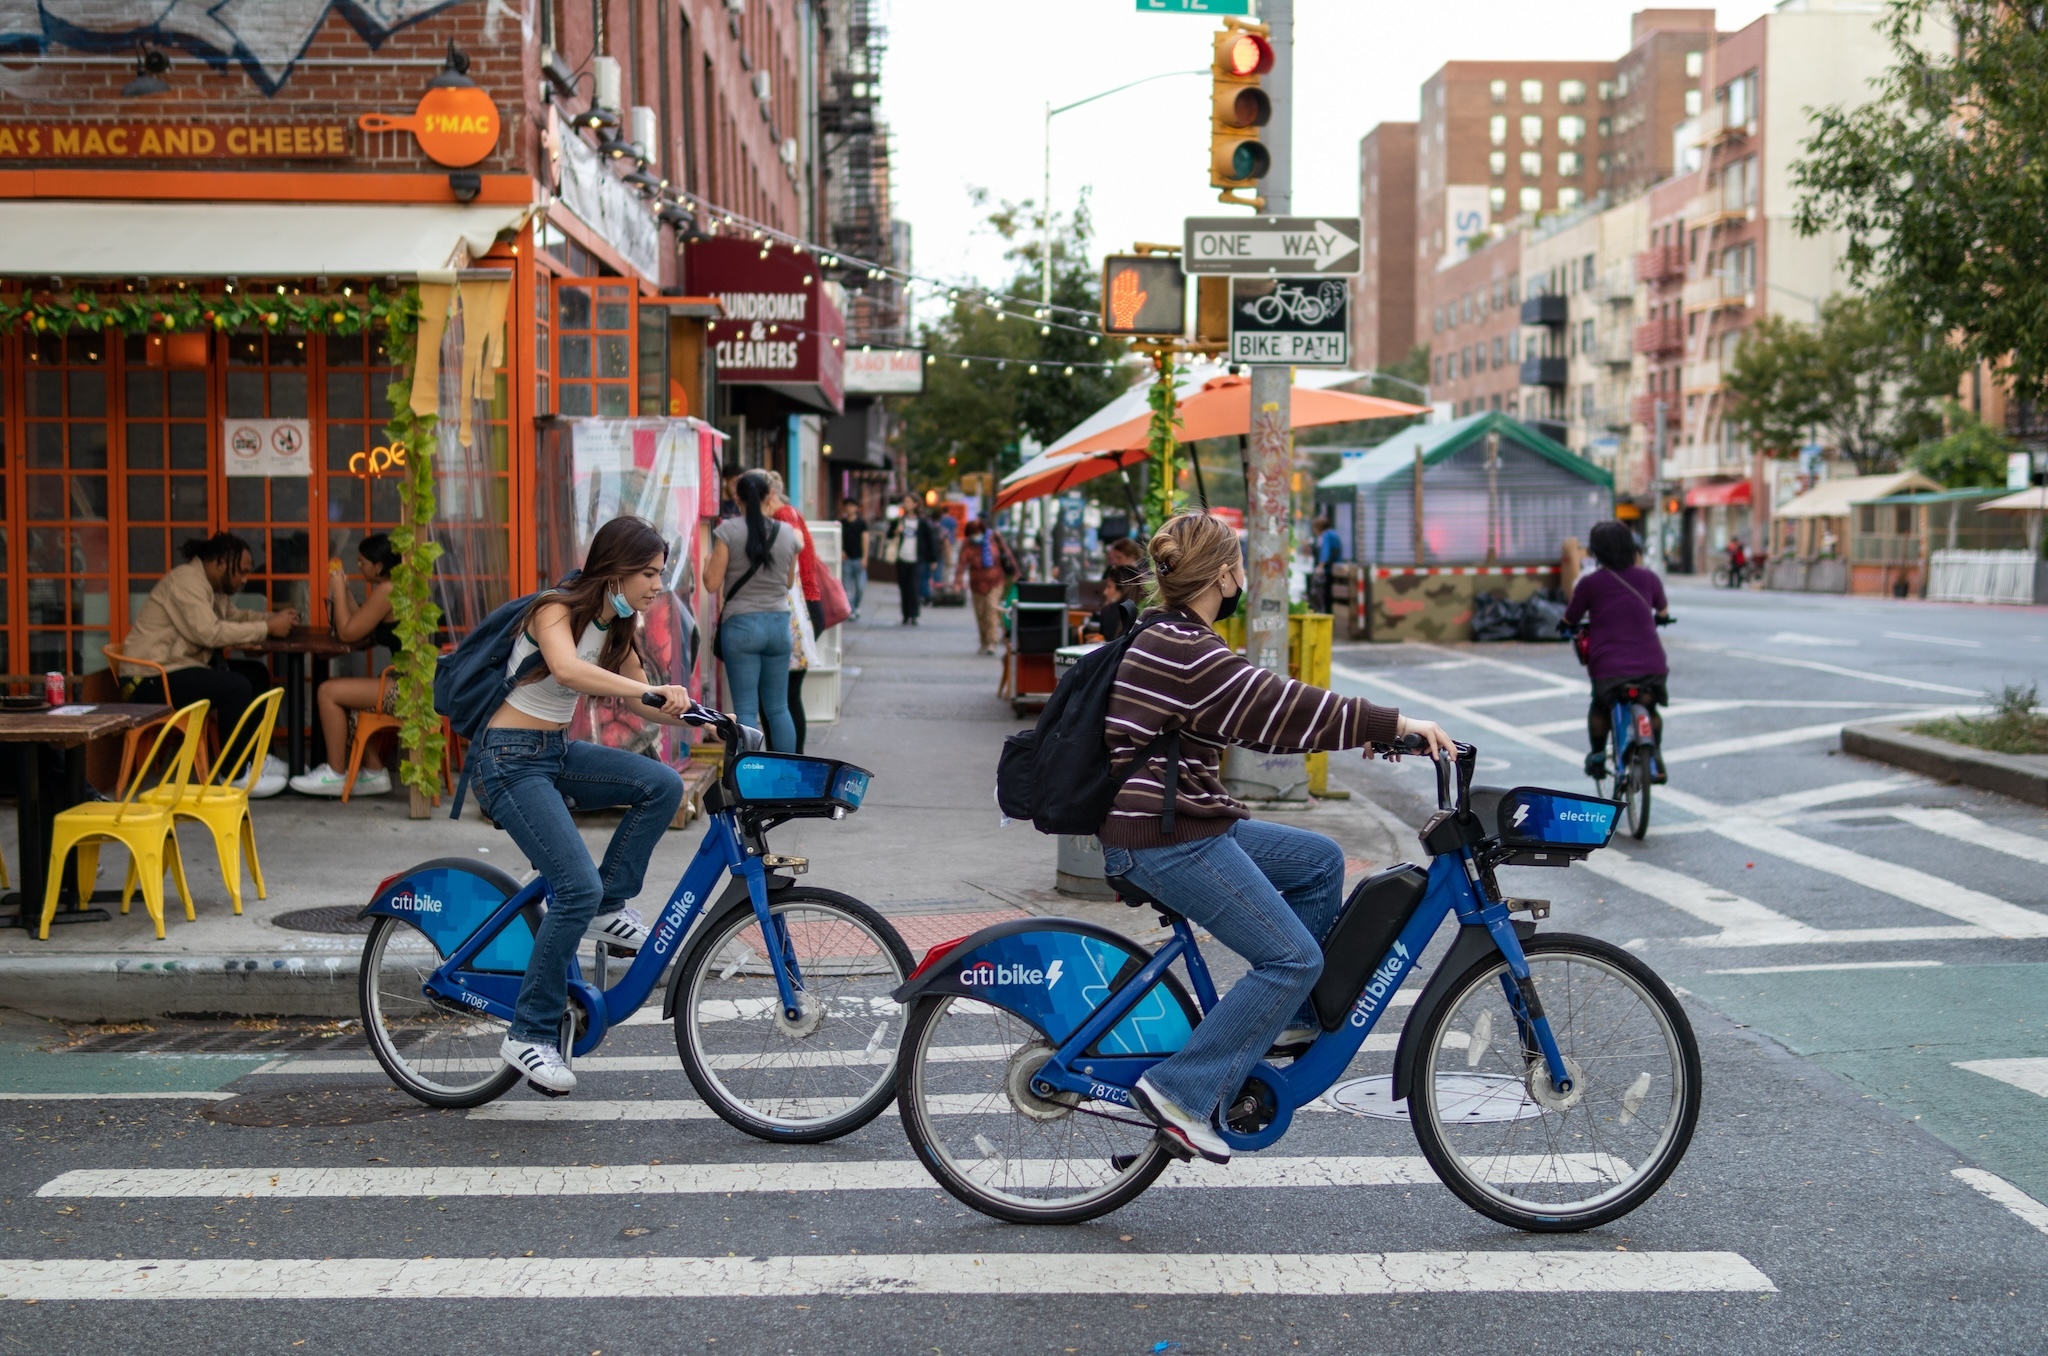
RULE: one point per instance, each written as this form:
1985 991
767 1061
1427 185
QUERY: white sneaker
542 1065
321 781
373 782
1184 1129
623 929
268 785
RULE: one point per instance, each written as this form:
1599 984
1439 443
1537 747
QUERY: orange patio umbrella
1222 408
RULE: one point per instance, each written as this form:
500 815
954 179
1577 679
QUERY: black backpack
1057 774
471 684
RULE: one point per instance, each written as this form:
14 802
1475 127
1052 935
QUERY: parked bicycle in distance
1552 1081
782 1008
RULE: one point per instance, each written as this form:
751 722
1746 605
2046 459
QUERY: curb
124 989
2023 777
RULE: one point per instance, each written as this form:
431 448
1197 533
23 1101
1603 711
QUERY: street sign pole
1269 499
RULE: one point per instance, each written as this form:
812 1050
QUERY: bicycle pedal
545 1092
1174 1148
619 952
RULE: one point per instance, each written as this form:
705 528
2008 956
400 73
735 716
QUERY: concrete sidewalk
927 848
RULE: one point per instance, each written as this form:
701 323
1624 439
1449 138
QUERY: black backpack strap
1169 745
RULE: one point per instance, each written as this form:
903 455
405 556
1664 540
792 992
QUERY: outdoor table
295 645
49 754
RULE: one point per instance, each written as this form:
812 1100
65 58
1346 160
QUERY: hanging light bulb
1070 369
1034 369
963 362
1045 329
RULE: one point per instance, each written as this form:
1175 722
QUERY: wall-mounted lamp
150 65
454 71
465 184
595 120
614 149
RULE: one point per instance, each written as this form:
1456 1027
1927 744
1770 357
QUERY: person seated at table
340 698
188 619
1119 610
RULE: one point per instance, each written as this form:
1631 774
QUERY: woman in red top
811 573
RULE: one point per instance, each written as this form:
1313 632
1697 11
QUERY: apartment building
1383 293
1656 86
1474 330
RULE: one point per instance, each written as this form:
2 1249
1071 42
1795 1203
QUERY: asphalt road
1861 953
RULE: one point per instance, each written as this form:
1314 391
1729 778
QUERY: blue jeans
1269 893
854 575
531 779
756 646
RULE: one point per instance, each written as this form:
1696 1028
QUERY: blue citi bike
782 1008
1631 749
1552 1080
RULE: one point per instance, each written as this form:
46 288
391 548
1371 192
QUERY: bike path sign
1295 322
1258 246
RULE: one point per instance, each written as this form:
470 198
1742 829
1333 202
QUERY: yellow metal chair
221 802
147 830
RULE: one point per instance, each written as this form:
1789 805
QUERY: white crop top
548 699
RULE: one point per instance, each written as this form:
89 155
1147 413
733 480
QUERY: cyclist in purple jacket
1625 603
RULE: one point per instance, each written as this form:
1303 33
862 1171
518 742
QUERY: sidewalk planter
2021 776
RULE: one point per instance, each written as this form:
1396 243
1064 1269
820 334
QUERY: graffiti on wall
266 37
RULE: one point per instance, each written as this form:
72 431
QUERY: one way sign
1263 246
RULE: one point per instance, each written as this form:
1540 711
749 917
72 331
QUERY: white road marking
1794 801
1545 1271
117 1096
2006 1194
685 1179
1969 829
1797 735
1838 965
1531 695
1801 638
1935 640
1785 661
2028 1075
1900 882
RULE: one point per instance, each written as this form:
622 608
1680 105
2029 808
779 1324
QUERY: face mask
1228 607
620 607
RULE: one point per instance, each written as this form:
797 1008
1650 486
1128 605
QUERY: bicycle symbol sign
1290 321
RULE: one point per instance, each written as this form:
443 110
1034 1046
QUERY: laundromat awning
213 240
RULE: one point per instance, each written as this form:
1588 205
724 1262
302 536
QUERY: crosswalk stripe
685 1179
1548 1271
1786 661
1996 1188
2028 1075
1969 829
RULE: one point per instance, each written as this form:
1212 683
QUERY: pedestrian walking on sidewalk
810 602
853 554
753 562
911 541
985 570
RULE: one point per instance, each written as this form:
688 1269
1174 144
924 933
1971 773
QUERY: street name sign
1194 6
1291 322
1262 246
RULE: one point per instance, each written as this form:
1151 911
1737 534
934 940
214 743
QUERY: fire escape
856 157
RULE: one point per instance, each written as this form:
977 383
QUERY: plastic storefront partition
593 470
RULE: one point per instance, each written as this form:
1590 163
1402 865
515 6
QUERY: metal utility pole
1269 500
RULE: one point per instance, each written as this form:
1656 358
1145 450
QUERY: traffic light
1144 295
1238 109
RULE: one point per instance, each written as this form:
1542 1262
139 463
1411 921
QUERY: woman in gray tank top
753 563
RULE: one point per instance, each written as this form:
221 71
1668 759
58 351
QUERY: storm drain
337 919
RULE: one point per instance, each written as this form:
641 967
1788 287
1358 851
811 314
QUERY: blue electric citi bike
1552 1080
782 1007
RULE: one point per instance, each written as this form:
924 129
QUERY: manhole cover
331 1106
334 918
1468 1099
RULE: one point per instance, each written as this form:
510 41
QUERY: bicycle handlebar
745 737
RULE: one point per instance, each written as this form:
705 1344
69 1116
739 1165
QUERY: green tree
1772 385
972 413
1938 183
1972 456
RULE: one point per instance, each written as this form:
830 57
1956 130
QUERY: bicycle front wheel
830 1071
1636 792
1525 1154
995 1144
434 1051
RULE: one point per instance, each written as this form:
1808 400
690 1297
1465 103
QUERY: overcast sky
967 82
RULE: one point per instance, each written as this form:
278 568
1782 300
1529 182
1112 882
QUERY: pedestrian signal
1144 295
1238 109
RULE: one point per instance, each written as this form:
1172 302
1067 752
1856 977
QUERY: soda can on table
53 688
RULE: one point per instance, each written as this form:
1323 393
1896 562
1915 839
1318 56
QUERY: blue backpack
472 683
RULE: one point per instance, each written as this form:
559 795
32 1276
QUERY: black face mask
1228 607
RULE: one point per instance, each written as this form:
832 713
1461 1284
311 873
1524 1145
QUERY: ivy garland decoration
414 614
347 313
1160 439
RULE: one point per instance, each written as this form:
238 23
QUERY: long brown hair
621 547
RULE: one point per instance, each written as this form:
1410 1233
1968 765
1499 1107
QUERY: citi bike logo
988 974
665 936
1384 981
408 902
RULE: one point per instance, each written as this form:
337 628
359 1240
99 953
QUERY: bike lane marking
1969 829
2028 1075
2006 1194
1786 661
1548 1271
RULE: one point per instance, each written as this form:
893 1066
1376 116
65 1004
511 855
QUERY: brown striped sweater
1180 675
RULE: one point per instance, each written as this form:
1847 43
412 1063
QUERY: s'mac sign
173 141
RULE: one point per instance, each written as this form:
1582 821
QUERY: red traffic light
1243 55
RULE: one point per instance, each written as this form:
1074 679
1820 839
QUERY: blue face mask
620 606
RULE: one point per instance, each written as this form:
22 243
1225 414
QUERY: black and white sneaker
542 1064
1182 1128
621 929
1295 1040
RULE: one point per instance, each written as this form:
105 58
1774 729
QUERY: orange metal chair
147 829
221 802
133 738
370 724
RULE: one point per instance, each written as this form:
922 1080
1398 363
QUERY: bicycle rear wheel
1636 790
977 1126
443 1055
1529 1156
833 1069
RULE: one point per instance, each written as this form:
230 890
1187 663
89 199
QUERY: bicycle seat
1137 897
